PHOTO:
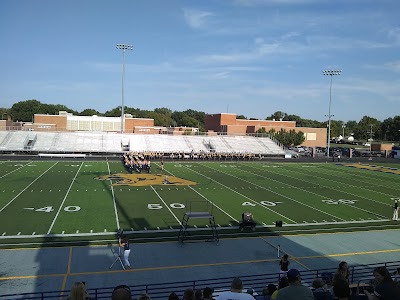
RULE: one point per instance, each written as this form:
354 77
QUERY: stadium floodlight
123 47
330 73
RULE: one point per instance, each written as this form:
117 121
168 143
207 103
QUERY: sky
248 57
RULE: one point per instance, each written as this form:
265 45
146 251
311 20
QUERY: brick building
228 124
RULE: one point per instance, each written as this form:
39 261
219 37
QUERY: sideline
189 266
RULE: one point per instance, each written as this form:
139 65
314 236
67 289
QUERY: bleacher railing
358 274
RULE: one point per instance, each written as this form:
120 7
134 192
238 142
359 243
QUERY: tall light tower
330 73
124 47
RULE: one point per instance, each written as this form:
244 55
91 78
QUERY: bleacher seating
360 274
101 142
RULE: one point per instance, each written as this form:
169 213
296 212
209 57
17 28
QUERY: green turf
49 197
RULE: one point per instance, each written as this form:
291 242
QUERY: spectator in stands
386 289
295 290
121 292
342 290
188 294
267 292
342 273
283 282
173 296
78 292
207 293
236 292
198 295
284 265
144 296
320 291
318 285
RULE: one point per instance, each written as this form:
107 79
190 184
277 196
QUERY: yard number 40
67 209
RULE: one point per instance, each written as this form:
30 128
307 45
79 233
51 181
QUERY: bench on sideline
75 155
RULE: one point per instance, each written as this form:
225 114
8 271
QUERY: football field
95 198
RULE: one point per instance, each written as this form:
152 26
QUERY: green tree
89 112
365 126
163 111
115 112
24 110
390 129
4 112
277 116
291 138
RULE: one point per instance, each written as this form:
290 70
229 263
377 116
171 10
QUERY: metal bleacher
102 142
361 276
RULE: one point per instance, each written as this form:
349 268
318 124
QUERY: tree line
368 127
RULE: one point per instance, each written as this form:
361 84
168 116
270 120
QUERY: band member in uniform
162 165
124 243
395 210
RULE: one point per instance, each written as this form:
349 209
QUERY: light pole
124 47
330 73
343 127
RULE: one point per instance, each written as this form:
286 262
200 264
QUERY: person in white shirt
236 292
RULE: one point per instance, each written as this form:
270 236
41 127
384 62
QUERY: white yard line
204 197
166 205
298 228
207 198
262 187
65 197
324 186
353 186
255 202
113 197
26 188
14 170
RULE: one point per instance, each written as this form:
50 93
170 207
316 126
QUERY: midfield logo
144 179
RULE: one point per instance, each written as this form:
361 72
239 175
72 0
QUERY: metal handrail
256 282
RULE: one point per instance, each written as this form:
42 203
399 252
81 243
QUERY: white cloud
394 33
196 18
273 2
393 66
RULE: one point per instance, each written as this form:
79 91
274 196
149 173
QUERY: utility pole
371 133
330 73
123 47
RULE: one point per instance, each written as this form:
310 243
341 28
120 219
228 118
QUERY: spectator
173 296
295 290
319 290
283 282
78 292
198 295
207 293
188 294
318 285
342 290
284 264
385 289
342 272
236 292
267 292
121 292
144 296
